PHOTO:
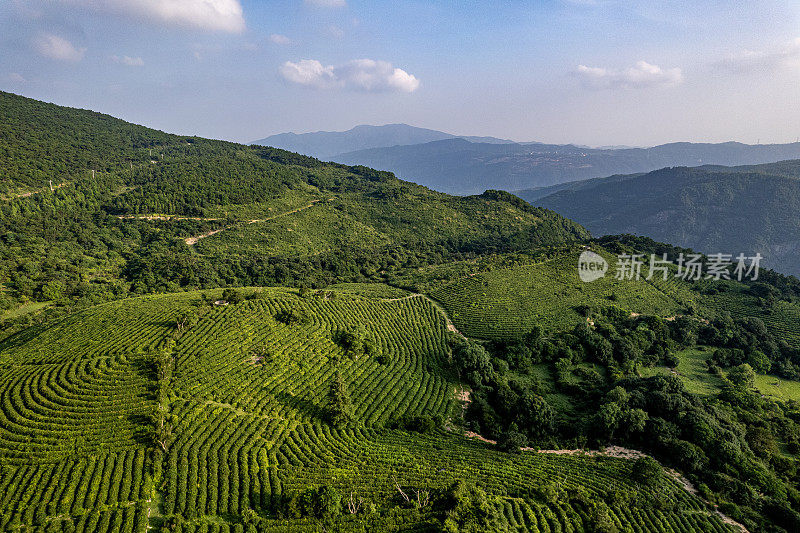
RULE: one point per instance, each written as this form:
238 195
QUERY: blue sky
598 72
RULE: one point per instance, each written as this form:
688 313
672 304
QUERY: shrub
647 471
742 375
290 317
232 296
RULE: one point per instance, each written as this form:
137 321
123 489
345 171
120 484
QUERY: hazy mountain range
469 165
329 144
713 209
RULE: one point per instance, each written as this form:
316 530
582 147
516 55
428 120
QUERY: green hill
502 300
126 200
505 303
711 209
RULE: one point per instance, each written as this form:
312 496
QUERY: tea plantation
249 444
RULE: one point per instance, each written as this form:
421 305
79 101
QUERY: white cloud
277 38
211 15
643 74
763 60
129 61
58 48
358 74
16 77
327 3
309 72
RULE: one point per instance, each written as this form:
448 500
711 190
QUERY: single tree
742 375
341 408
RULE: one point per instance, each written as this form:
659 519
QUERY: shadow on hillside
15 340
144 433
305 407
144 366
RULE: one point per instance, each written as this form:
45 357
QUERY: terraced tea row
782 318
248 399
371 465
131 326
100 493
51 411
290 379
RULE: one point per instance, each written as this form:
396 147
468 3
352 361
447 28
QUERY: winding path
31 193
191 241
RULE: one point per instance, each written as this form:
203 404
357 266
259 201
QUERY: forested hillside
712 209
125 201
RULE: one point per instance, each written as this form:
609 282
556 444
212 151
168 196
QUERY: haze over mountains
712 209
738 198
470 165
329 144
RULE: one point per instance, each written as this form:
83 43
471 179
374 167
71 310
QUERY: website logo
591 266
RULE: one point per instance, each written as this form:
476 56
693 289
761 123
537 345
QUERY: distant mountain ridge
713 209
456 166
328 144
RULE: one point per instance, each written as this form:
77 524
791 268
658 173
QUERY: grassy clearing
24 309
506 303
288 201
692 371
319 228
779 388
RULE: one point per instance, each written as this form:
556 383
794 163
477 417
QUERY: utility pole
51 185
